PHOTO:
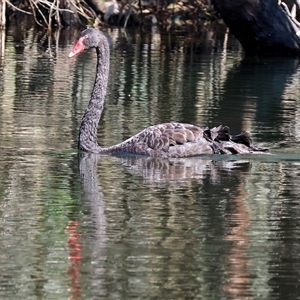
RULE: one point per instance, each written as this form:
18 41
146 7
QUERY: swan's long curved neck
88 129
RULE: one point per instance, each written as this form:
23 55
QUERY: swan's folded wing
172 134
182 140
172 139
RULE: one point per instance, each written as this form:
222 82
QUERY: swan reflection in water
181 170
120 219
88 163
154 171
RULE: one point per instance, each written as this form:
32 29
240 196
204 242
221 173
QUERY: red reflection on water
75 259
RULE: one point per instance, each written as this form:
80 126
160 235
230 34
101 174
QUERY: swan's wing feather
171 139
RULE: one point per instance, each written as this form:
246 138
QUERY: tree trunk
2 13
261 26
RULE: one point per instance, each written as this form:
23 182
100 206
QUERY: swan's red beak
78 48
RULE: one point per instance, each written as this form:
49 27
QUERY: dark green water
90 227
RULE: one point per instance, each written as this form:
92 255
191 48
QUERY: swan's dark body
163 140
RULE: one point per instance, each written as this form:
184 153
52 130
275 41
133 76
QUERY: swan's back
183 140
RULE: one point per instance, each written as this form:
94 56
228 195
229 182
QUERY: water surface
88 227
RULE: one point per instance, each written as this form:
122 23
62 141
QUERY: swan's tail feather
223 133
220 133
224 143
245 139
242 138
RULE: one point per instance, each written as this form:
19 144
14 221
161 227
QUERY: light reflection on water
126 227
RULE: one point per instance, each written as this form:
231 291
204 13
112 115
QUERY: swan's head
89 38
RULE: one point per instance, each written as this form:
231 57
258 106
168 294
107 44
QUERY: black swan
162 140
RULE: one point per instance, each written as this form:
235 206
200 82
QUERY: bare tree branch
16 8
